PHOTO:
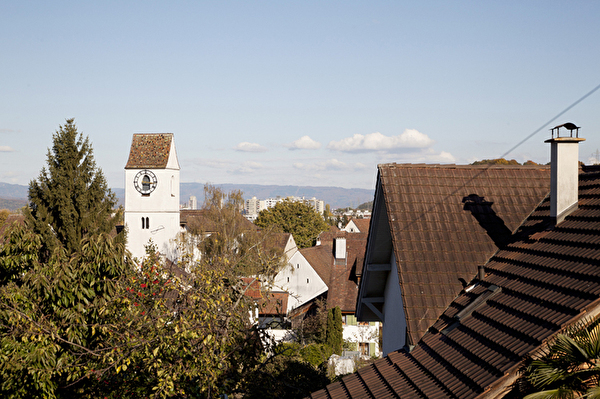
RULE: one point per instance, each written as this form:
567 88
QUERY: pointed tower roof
152 151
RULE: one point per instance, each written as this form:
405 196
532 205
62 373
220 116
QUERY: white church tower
152 194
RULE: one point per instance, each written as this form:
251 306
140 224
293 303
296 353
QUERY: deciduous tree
297 218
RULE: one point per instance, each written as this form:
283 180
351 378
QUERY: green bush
316 354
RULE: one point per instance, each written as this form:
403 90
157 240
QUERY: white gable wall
300 280
290 248
394 320
351 227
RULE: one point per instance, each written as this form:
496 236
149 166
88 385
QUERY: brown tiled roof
339 276
269 302
149 150
445 220
544 280
362 224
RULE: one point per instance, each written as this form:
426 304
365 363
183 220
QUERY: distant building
254 205
192 203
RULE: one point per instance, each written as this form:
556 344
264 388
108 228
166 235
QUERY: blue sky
302 93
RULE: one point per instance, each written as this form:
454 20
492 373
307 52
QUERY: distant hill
337 197
13 196
12 204
13 191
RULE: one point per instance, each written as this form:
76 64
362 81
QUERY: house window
297 265
307 281
288 279
363 348
145 223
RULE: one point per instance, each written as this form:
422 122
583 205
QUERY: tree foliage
502 161
70 200
313 327
79 319
297 218
569 368
335 337
92 324
292 372
3 216
49 311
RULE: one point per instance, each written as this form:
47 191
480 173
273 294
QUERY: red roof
269 302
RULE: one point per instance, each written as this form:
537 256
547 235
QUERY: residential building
543 279
357 225
432 226
330 272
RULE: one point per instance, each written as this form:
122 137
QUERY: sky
308 92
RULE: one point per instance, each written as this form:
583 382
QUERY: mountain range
14 196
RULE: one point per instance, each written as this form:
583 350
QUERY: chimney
564 169
340 248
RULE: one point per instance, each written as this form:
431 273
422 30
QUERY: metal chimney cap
569 126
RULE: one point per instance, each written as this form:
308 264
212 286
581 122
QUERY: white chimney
564 169
340 248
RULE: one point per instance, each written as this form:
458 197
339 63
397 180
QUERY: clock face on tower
145 182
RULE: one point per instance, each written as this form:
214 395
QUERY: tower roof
150 150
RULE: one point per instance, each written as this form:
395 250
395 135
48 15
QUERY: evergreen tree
338 328
70 200
335 330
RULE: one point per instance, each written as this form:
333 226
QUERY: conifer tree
335 330
70 200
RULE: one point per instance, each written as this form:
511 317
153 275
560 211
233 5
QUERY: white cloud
212 163
329 165
5 148
305 143
427 155
410 138
247 167
3 130
249 147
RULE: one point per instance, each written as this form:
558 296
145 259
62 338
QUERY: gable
444 221
152 151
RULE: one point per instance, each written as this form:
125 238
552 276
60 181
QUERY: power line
550 121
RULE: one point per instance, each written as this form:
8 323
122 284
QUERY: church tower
152 194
